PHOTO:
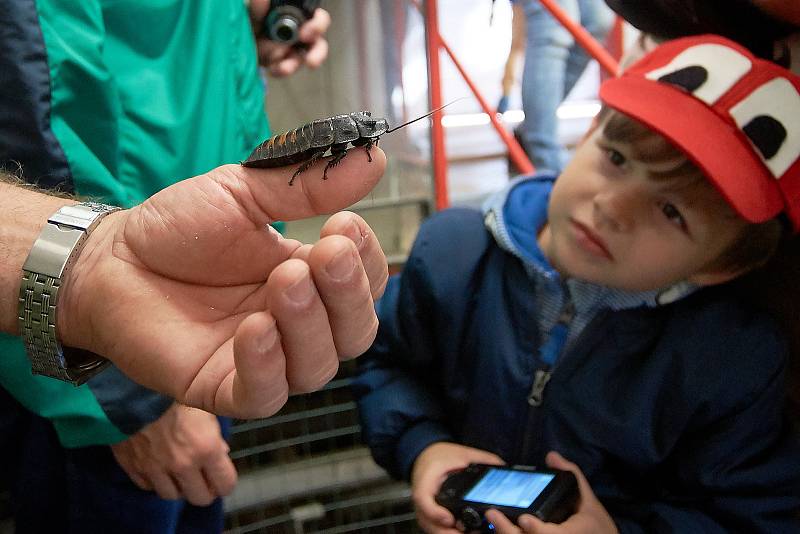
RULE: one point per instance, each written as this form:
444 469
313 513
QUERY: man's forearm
23 214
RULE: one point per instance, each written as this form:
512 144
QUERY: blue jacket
673 412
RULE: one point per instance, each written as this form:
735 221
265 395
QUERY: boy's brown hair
756 243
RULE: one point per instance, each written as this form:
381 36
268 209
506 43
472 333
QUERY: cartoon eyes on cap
707 71
760 115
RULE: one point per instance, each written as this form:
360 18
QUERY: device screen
509 488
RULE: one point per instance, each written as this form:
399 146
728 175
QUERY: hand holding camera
429 471
289 34
547 494
590 517
284 18
447 478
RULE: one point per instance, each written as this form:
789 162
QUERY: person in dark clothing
743 21
768 28
588 321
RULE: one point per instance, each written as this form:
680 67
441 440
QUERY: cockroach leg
338 152
304 167
369 144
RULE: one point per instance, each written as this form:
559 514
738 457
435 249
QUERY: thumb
347 183
486 457
556 461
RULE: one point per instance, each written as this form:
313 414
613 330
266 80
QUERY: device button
472 520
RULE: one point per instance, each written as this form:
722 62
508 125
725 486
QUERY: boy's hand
590 518
430 470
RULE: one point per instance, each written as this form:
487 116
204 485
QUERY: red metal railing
435 43
583 37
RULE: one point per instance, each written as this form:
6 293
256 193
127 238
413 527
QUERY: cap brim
727 160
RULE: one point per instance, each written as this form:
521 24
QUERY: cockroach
310 142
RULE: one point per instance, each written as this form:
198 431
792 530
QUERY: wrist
23 215
82 288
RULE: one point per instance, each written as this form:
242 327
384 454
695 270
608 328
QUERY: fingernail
301 291
268 337
341 265
354 233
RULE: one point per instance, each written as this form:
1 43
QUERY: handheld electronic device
551 495
284 18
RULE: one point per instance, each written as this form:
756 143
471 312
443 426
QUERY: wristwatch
52 255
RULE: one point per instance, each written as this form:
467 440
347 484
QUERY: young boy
592 315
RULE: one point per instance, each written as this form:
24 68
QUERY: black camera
549 494
284 18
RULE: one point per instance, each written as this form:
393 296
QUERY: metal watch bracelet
50 258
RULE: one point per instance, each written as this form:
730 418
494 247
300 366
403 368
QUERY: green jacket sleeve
115 101
105 410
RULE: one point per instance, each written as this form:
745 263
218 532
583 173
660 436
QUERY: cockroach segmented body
310 142
307 144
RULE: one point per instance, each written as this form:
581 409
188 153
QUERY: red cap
737 117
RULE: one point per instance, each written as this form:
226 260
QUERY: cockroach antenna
428 114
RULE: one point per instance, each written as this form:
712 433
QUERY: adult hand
192 294
590 518
283 60
182 454
430 470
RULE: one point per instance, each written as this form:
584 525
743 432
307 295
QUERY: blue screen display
508 488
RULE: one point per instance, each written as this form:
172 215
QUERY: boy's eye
615 157
672 213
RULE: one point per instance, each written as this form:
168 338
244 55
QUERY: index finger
221 474
316 54
315 27
194 486
359 232
426 504
311 34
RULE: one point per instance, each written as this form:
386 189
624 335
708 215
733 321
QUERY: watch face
81 365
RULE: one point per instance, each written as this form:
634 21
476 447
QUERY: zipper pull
540 381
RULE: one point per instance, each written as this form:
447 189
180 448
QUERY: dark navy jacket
674 413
